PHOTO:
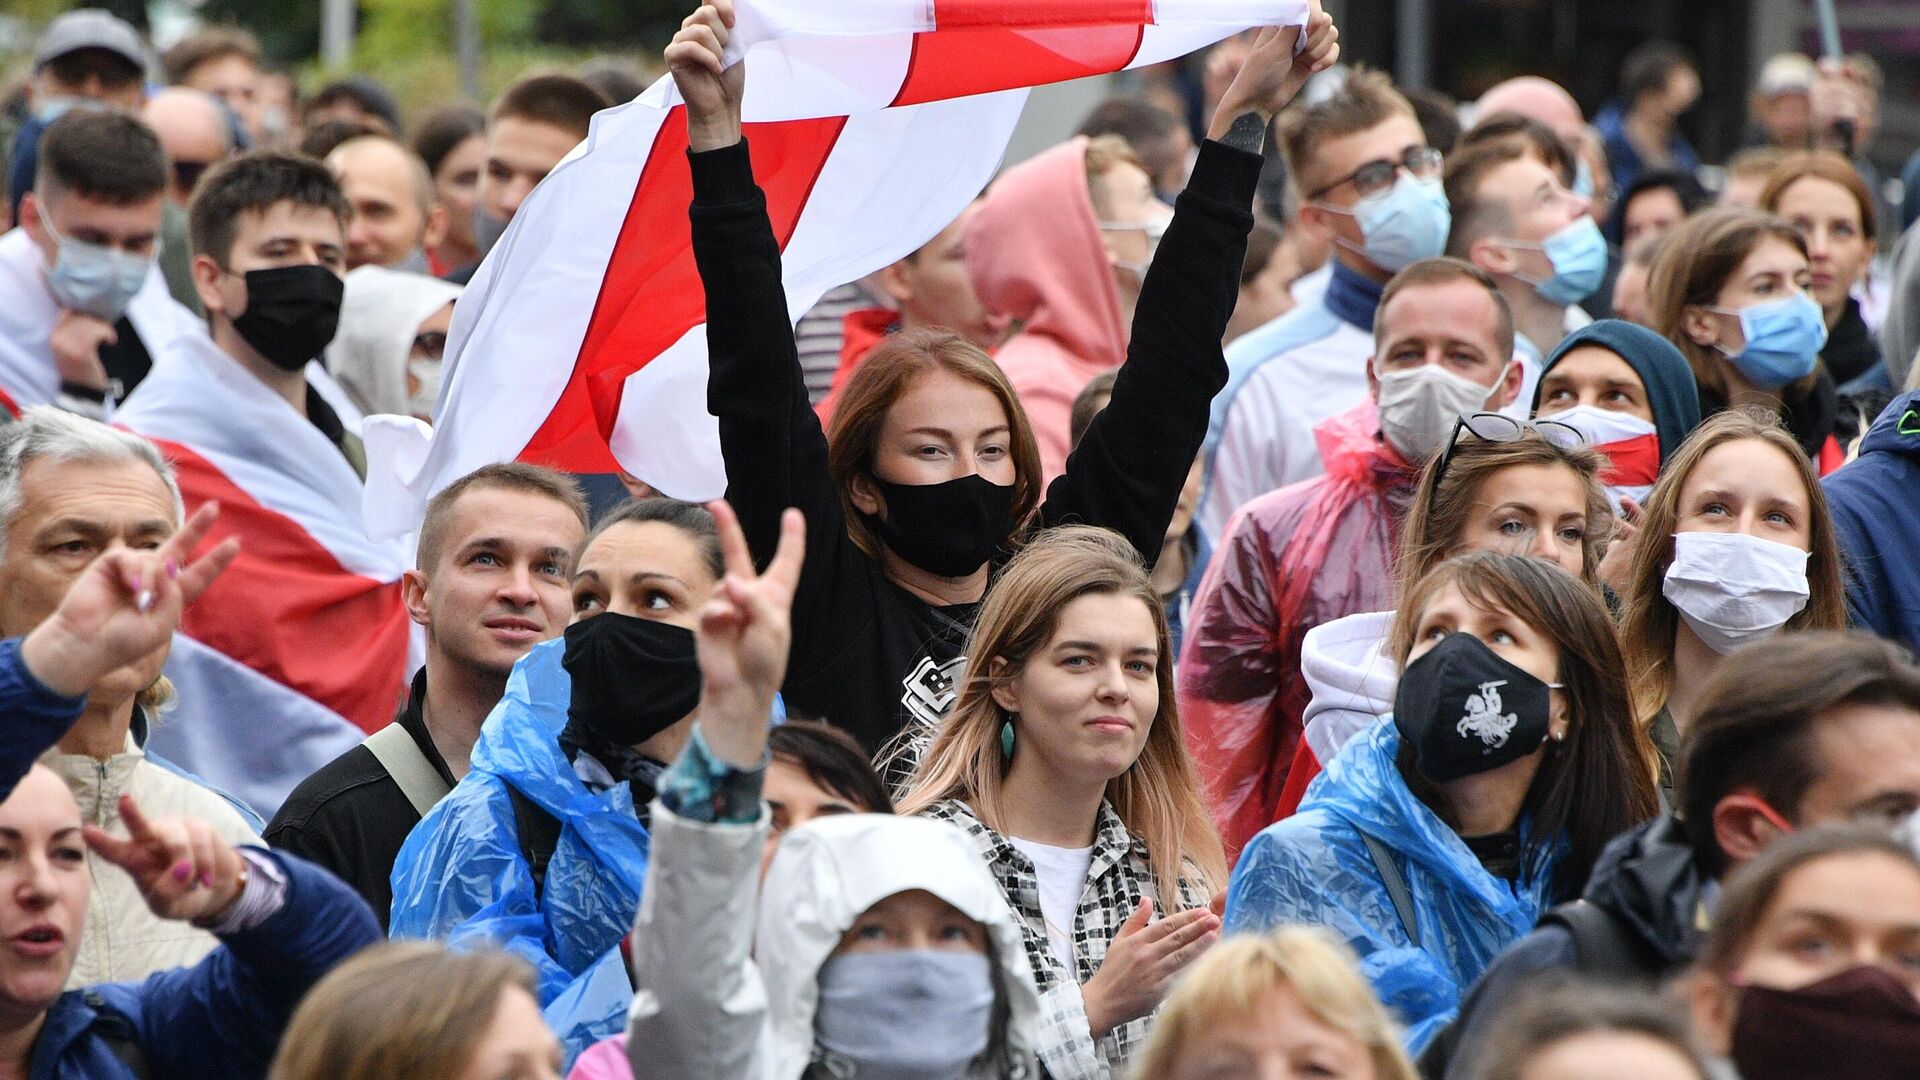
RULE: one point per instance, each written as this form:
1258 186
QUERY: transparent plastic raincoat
1314 868
1290 560
461 875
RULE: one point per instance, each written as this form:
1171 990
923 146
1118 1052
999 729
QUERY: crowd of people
1336 583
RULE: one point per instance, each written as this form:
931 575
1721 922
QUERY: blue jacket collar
1352 296
1897 429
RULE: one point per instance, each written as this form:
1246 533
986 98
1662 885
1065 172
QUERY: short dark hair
1151 130
1442 270
833 760
440 133
253 183
1760 715
560 101
101 154
616 82
365 93
1647 69
1530 134
1565 1012
1467 170
506 476
1439 116
690 518
1087 404
205 46
323 139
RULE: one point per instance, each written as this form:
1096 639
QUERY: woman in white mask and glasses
1749 550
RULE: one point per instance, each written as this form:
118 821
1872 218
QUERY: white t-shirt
1062 873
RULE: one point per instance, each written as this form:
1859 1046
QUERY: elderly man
395 216
76 489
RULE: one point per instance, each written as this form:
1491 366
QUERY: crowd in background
1302 578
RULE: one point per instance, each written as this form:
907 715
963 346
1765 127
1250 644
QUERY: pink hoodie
1035 254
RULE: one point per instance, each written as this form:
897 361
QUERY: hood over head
379 316
1034 251
829 871
1353 682
1671 392
1897 430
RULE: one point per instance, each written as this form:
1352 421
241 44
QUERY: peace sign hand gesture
180 865
744 633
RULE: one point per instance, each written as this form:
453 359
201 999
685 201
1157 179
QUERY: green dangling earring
1006 736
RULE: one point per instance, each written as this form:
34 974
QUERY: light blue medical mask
92 278
1784 339
1402 225
1579 257
1582 179
914 1014
47 110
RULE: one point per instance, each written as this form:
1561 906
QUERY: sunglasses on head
1495 427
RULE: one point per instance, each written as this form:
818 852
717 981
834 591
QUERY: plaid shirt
1118 877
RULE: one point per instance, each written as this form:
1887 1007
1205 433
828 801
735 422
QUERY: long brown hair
1158 797
398 1009
1599 782
1700 255
1650 621
1439 514
881 379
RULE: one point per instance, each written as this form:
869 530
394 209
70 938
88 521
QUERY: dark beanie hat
1671 392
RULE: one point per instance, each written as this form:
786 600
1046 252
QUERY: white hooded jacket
1352 680
704 1009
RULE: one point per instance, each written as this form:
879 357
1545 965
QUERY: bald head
394 214
1539 99
194 131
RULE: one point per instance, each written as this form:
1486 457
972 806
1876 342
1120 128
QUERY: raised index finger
183 543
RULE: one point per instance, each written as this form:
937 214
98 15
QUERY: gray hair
44 432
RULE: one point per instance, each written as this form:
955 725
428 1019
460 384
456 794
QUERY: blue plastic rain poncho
1314 868
461 875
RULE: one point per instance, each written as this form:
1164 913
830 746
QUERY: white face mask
423 400
1419 406
1732 588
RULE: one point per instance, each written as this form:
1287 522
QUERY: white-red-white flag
581 340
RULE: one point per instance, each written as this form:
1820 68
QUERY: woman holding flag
929 477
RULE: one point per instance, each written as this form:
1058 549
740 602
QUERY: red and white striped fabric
581 342
301 649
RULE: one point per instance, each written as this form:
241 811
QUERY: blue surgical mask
1784 339
1579 257
1404 224
915 1014
1582 179
47 110
91 278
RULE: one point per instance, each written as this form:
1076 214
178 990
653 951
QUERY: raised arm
1127 472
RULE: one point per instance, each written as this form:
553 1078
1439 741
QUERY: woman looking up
930 475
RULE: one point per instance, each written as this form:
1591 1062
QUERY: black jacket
1648 882
351 817
868 656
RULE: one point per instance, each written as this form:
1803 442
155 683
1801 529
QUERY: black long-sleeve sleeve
1127 471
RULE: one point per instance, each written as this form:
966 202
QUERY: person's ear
1373 379
1318 223
413 594
206 284
1004 693
1699 324
894 282
864 495
436 231
1507 390
1743 825
1492 256
29 220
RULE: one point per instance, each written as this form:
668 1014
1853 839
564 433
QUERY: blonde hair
1232 980
1158 797
398 1009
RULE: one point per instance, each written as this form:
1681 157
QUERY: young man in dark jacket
1795 731
1870 499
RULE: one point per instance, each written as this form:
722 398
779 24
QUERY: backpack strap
1604 945
116 1033
539 835
1396 884
394 748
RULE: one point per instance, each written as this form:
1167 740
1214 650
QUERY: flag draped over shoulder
301 649
581 340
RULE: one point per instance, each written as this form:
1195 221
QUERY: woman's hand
1274 71
743 637
123 607
180 865
697 57
1141 963
1617 564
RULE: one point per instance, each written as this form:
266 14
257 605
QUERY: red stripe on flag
652 295
287 609
1011 14
955 63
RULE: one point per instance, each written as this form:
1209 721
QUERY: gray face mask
91 278
916 1014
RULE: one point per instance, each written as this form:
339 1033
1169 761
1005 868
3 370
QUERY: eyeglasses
1421 163
431 345
1500 428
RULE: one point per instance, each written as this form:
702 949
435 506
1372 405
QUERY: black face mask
1862 1023
292 313
1464 710
951 528
632 678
